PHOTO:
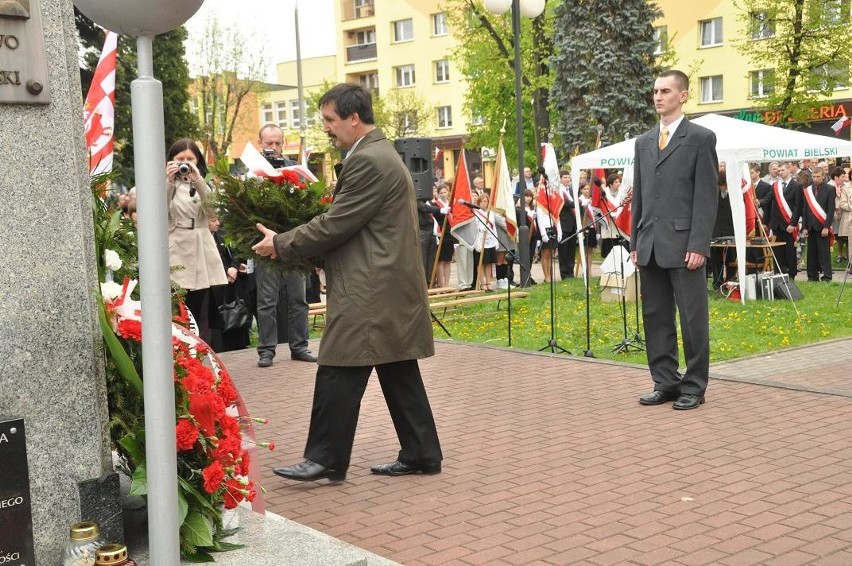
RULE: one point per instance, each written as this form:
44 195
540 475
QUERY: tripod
843 284
626 344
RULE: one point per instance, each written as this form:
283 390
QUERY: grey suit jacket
675 195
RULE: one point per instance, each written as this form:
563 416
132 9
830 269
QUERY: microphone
463 202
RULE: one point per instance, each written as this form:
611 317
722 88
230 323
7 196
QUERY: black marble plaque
16 518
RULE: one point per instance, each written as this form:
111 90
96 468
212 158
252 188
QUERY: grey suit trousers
281 296
689 288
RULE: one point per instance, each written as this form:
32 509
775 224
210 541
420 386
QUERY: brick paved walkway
551 460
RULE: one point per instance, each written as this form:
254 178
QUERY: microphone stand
509 253
552 344
626 343
588 353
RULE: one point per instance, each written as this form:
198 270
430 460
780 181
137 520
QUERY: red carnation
214 475
234 493
186 433
244 464
327 199
130 329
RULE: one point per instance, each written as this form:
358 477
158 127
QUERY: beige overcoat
191 244
377 311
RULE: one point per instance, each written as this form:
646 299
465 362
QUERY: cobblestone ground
550 459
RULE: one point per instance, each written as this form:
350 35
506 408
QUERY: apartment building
703 34
405 44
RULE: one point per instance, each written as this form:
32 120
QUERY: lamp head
132 17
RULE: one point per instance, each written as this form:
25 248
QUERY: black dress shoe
309 471
688 401
658 397
264 361
305 356
401 469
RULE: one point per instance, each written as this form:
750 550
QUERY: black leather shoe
264 361
401 469
309 471
305 356
688 401
658 397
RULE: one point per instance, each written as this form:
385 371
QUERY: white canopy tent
738 143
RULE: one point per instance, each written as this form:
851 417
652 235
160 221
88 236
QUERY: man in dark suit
763 197
817 216
568 223
378 311
784 217
675 194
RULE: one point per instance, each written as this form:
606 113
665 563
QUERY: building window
442 71
369 80
405 75
445 117
836 12
280 114
476 119
661 39
295 115
268 115
762 26
407 123
439 24
832 76
365 37
711 32
403 30
762 83
711 89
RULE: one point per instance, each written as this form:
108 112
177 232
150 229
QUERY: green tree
485 56
604 68
228 72
801 50
169 67
403 113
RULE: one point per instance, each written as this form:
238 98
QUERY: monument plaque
23 67
16 519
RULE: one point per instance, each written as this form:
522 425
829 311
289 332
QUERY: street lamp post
144 20
530 9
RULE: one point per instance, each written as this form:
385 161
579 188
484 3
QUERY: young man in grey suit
378 311
675 196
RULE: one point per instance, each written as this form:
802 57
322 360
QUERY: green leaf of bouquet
203 499
119 355
139 481
183 508
197 530
198 557
132 444
222 546
114 222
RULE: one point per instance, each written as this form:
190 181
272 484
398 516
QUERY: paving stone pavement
549 459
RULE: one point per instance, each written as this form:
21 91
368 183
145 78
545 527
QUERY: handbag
234 315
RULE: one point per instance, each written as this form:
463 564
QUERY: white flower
112 260
110 290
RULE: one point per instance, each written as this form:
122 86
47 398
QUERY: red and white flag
501 195
462 224
840 124
99 109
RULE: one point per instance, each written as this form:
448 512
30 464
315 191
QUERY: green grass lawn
736 329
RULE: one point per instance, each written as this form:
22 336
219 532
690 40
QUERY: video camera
276 162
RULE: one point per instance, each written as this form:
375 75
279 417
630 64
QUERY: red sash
816 209
786 213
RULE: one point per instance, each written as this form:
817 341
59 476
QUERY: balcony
363 52
357 9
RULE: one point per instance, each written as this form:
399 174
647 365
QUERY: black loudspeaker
416 153
787 290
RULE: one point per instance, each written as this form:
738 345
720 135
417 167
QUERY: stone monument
51 373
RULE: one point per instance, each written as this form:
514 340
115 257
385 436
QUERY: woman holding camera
193 256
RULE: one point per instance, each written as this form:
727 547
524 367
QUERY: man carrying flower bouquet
378 311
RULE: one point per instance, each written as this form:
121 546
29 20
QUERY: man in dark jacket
817 215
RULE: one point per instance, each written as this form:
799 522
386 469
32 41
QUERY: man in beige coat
378 311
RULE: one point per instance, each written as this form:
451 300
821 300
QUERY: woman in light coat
193 257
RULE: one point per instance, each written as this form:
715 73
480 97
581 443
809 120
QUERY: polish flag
99 110
840 124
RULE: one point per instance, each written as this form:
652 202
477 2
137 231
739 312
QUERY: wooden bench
480 297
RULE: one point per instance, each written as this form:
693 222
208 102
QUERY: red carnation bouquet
212 431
